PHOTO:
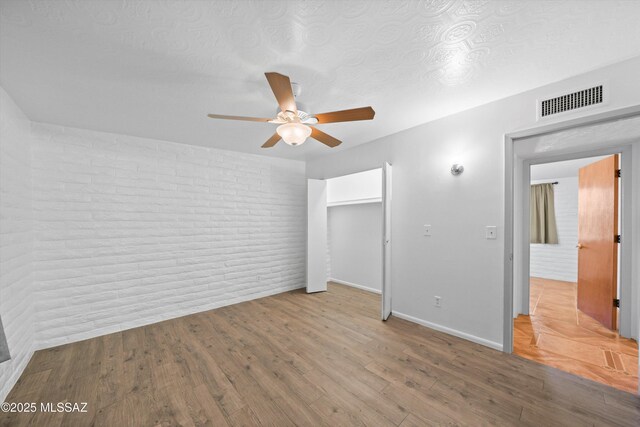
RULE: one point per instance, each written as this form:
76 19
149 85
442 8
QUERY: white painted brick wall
560 262
131 231
104 232
15 241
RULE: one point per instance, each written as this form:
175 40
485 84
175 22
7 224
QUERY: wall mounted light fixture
457 169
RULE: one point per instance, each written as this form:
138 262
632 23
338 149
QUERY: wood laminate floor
558 334
294 359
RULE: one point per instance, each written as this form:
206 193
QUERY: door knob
579 246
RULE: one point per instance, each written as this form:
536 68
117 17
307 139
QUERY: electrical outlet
427 230
491 232
437 301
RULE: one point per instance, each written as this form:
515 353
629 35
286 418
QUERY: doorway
601 134
572 320
349 233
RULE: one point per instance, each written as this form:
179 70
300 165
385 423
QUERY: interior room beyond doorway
564 328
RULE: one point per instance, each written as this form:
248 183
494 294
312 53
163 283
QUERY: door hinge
618 173
616 302
618 238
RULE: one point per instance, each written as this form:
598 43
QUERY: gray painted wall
356 244
457 262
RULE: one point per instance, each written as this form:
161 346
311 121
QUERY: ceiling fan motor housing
304 117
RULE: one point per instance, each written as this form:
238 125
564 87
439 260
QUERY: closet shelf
354 202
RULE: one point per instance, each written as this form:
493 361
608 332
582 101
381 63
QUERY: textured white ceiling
155 68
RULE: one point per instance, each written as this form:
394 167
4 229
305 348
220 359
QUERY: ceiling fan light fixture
294 121
294 133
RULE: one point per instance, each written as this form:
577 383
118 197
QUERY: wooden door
316 235
597 247
386 241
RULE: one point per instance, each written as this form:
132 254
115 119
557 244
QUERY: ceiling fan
295 123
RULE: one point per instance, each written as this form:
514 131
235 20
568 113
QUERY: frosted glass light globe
294 133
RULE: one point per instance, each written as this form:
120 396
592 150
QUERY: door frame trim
511 161
387 242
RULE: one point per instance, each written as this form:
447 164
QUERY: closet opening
349 234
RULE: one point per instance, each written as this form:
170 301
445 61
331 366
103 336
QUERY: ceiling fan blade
248 119
326 139
281 87
364 113
271 141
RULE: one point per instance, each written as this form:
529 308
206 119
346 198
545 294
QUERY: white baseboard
355 285
454 332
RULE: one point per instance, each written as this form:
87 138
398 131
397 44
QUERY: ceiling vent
571 101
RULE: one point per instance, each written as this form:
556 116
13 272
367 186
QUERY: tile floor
559 335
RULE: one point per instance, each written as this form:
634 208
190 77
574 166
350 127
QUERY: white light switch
491 232
427 230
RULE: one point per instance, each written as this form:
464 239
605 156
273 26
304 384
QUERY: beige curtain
543 215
